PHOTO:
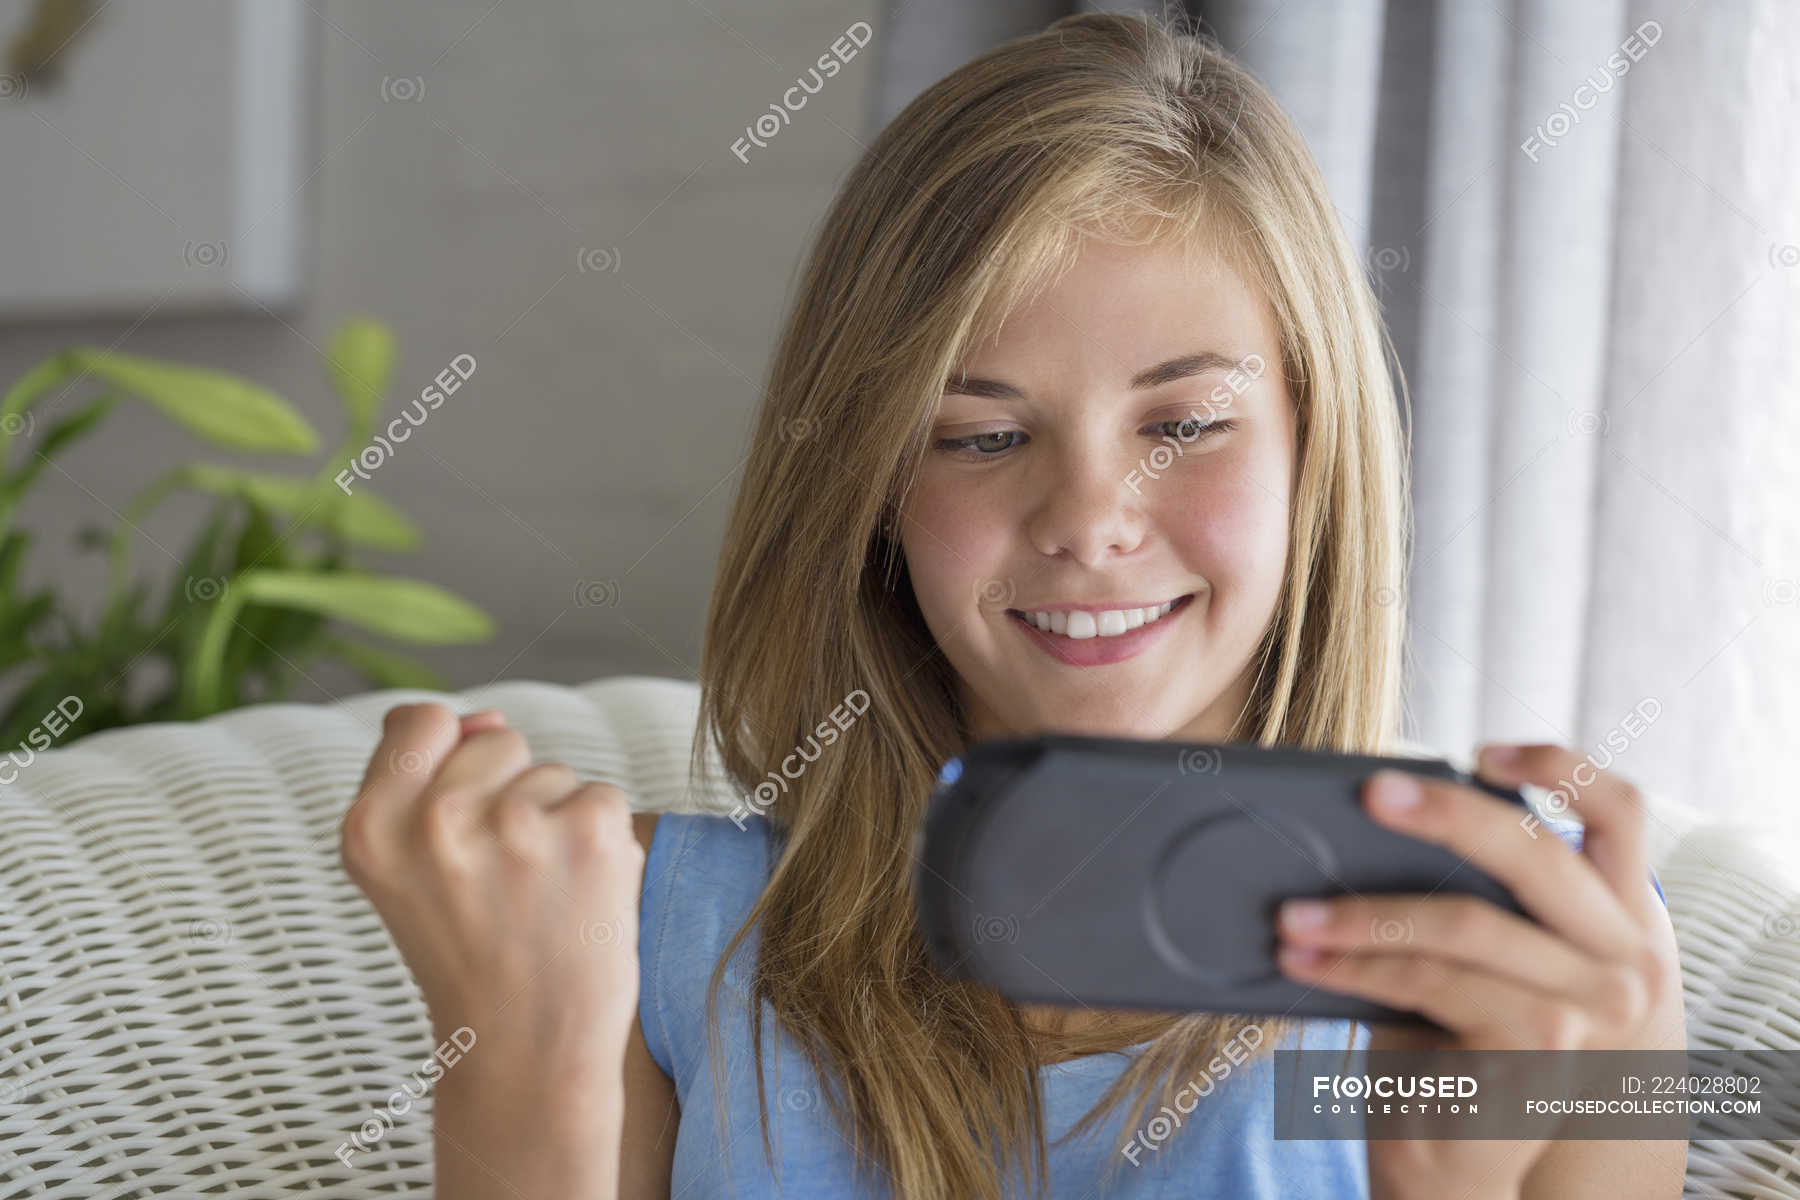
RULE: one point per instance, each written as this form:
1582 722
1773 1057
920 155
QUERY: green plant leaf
289 636
198 565
20 637
121 617
12 555
226 409
361 517
361 361
258 542
56 369
383 668
258 546
23 621
37 698
403 608
61 436
410 609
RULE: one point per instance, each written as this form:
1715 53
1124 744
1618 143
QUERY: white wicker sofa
196 1000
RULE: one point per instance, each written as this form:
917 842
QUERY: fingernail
1500 756
1499 764
1395 791
1301 956
1304 914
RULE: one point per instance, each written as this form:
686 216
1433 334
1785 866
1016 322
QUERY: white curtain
1584 224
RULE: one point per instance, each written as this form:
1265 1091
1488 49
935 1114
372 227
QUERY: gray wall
601 435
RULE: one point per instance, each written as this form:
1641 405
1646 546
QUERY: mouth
1081 638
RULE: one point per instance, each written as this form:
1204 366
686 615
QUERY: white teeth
1111 623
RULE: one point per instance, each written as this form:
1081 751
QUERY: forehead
1134 304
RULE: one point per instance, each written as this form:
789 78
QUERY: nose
1086 509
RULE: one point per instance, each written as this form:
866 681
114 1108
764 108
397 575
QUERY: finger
1462 929
1611 810
523 803
487 718
1549 880
416 739
598 816
1487 1011
484 763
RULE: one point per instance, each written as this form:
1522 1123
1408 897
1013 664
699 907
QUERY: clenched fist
510 889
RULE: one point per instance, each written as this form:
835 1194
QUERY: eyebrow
1163 372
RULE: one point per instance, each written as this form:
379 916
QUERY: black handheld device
1123 873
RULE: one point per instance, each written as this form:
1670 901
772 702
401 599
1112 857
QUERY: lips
1101 651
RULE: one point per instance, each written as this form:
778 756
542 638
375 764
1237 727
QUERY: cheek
1232 526
953 543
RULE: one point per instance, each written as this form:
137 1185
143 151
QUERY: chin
1121 725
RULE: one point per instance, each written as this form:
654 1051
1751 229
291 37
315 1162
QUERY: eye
985 445
1189 428
979 444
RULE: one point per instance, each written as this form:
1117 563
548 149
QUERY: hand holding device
1125 873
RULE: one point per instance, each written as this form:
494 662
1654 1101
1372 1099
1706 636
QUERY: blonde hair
972 199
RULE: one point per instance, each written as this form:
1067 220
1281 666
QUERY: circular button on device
1264 859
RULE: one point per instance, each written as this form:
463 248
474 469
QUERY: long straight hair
976 196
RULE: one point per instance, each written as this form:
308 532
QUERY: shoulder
738 845
702 874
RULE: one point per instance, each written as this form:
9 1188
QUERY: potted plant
266 585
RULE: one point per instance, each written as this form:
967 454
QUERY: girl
1081 421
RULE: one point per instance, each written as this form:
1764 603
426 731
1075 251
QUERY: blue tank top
701 876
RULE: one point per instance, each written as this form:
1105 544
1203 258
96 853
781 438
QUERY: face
1067 473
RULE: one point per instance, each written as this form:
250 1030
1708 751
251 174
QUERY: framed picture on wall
151 151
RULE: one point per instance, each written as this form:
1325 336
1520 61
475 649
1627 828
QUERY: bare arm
488 872
651 1110
512 1137
527 1137
1573 1170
